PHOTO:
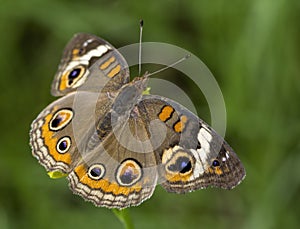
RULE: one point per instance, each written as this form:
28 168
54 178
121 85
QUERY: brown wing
56 134
192 156
80 54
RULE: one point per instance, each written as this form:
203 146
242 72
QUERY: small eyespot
81 51
96 171
63 145
215 163
60 119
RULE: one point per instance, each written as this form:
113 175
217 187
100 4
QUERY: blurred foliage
252 48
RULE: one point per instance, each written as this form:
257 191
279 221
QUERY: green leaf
56 174
147 91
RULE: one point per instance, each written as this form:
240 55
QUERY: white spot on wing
205 134
204 137
84 60
227 154
198 169
101 49
202 154
167 154
87 42
40 142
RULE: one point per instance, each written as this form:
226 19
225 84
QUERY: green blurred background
252 48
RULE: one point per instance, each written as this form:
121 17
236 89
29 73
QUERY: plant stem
124 216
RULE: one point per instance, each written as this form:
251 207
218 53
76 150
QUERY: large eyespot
63 145
179 164
129 172
182 165
60 119
96 171
74 75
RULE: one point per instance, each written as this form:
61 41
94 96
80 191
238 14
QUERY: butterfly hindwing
50 136
114 176
56 134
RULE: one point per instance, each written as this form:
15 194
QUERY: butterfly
114 142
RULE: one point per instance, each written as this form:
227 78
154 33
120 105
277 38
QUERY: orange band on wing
107 63
114 71
51 142
103 184
178 177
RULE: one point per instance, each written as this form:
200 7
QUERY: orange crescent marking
166 113
218 171
103 184
63 81
51 142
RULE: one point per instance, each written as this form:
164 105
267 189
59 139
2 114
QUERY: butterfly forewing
79 55
192 156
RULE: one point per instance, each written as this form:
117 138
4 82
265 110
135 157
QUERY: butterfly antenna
171 65
140 46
